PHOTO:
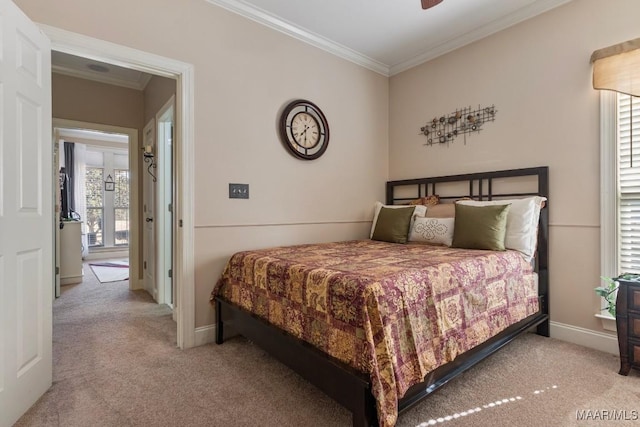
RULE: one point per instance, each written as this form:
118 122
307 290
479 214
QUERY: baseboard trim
585 337
107 255
70 280
205 335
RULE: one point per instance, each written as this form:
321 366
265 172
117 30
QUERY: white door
164 213
148 210
26 213
57 187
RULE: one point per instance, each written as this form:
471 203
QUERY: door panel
28 305
164 193
29 143
148 215
26 213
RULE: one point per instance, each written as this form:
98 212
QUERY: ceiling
84 68
388 36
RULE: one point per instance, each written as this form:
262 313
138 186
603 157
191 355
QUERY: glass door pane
94 185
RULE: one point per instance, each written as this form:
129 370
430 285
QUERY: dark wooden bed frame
352 388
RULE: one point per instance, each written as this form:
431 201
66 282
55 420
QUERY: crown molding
94 135
103 78
493 27
265 18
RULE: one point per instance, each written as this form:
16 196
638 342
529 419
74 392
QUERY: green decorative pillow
393 224
480 227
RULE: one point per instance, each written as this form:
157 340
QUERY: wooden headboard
512 183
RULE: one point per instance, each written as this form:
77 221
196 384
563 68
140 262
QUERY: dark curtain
69 163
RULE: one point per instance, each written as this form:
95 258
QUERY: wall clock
304 129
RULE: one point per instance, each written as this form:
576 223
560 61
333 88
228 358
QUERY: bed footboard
465 361
339 381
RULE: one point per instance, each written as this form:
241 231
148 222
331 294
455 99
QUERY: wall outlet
238 191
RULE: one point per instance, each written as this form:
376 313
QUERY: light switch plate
238 191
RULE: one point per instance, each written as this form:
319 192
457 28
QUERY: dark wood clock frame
289 112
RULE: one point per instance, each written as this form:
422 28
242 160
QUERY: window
121 207
628 159
107 211
620 188
95 206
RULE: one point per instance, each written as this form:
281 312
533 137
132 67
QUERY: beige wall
157 92
93 102
244 74
536 73
539 77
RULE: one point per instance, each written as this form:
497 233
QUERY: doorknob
149 219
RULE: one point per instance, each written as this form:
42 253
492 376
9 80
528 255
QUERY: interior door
148 212
164 213
56 207
26 213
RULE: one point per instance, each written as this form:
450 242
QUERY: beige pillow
434 231
393 224
444 210
480 227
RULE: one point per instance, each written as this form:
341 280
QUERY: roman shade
617 68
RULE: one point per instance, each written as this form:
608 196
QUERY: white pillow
522 222
435 231
420 210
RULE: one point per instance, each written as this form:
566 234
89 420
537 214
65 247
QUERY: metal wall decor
444 129
149 157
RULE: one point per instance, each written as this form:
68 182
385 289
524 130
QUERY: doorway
108 220
183 238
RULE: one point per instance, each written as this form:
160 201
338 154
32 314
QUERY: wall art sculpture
445 129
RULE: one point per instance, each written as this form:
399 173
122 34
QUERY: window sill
608 322
98 249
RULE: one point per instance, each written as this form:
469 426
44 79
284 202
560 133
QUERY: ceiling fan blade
426 4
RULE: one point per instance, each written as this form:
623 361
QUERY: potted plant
608 292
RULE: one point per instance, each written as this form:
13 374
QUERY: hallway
116 364
100 331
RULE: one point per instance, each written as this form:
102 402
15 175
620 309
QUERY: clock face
304 130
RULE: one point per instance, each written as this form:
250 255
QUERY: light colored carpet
111 271
116 364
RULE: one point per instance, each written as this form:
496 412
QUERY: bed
379 326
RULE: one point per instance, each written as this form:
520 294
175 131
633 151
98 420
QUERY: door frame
134 205
100 50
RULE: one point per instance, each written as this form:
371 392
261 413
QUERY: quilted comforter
395 312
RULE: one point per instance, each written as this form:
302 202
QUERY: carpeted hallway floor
115 364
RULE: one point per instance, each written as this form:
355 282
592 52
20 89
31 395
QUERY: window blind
629 183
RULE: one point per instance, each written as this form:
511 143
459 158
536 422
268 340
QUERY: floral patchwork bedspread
390 310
